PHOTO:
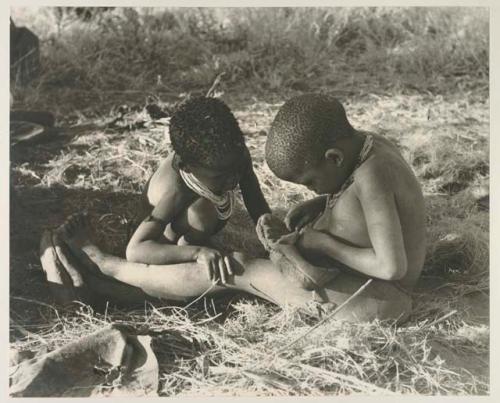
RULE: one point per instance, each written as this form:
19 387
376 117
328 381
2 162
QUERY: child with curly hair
191 195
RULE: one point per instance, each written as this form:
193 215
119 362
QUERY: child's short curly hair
204 131
303 129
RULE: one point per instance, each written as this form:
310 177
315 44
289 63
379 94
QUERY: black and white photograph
249 201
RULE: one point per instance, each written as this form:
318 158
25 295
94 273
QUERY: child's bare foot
67 260
75 231
54 270
63 271
70 261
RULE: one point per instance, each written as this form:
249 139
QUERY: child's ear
335 155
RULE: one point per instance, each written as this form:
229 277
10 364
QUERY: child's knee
202 217
381 300
396 305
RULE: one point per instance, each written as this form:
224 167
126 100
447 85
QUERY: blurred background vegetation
261 51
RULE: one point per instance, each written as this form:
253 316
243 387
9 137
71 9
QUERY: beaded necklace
223 203
363 155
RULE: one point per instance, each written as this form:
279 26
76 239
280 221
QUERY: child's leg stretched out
113 277
280 243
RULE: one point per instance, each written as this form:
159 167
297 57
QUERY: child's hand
272 228
217 265
299 216
310 239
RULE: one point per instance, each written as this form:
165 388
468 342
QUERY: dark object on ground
129 118
26 126
24 55
114 361
126 123
24 131
155 112
39 117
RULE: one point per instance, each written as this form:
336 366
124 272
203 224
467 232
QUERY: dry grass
135 52
223 346
430 97
201 355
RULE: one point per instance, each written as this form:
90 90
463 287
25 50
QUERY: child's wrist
196 252
312 239
323 242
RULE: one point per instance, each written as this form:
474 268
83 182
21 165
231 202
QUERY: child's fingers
228 265
299 222
208 270
266 218
291 220
304 220
214 272
222 270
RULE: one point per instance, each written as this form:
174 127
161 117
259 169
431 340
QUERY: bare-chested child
369 223
191 195
369 220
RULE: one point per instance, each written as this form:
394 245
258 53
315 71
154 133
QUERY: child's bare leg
380 299
73 277
174 282
177 281
280 243
256 276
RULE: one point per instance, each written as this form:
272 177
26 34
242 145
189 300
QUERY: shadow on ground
114 217
43 148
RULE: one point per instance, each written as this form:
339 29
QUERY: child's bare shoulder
384 167
165 179
373 176
387 172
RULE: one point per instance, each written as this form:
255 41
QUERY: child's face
323 177
220 179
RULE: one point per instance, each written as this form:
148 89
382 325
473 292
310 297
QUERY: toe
70 264
62 231
74 223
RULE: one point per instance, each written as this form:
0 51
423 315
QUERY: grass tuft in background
272 50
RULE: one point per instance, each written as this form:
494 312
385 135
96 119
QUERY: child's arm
386 259
303 213
253 198
145 246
